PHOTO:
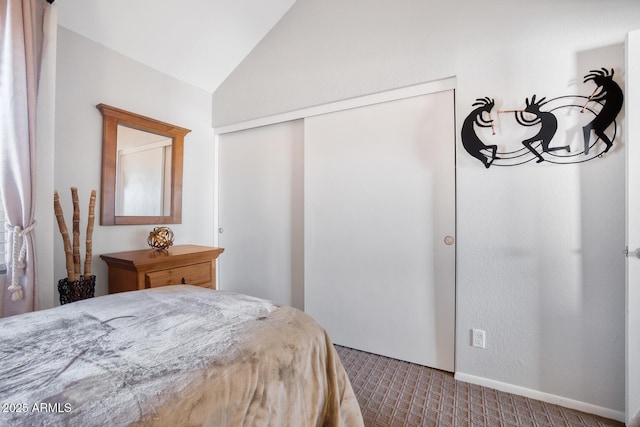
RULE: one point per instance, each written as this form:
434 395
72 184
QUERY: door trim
448 83
632 292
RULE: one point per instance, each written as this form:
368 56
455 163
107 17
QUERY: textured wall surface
89 74
539 246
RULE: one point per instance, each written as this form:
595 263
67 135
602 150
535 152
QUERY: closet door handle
630 254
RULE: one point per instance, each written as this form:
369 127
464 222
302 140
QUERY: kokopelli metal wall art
544 129
611 96
471 142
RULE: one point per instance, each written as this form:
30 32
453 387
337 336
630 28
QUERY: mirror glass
143 173
141 169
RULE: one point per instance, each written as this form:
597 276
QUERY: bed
172 356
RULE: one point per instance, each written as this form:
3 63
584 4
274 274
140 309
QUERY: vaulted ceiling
197 41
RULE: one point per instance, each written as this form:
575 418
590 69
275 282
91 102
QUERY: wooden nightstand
148 268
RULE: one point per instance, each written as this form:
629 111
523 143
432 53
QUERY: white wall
44 179
89 74
540 264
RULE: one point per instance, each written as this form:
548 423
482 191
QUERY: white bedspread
172 356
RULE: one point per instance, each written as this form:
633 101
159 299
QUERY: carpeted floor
393 393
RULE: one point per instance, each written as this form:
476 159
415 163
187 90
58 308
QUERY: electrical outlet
477 338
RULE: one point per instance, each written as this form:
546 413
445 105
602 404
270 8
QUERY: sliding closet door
379 205
260 212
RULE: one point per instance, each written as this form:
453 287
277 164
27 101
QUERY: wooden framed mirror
141 169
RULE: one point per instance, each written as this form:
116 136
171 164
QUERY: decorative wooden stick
589 99
89 242
62 226
76 230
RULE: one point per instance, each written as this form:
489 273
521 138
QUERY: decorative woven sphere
160 238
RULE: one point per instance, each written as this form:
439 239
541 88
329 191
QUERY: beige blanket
172 356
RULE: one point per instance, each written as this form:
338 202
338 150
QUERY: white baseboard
545 397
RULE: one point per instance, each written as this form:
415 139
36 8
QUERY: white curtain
23 25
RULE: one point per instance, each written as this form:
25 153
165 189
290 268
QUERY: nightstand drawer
147 268
196 274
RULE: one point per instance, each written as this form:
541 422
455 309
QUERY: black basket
75 291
